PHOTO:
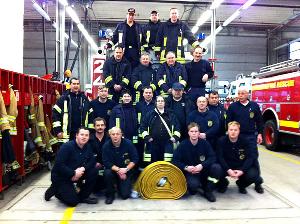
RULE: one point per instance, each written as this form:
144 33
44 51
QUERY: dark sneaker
222 189
259 189
90 200
209 196
50 192
109 200
242 190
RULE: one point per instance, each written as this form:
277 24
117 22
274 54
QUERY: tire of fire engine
271 136
161 180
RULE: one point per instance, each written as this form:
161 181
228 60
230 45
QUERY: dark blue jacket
121 31
150 32
69 158
237 155
188 154
102 109
171 32
187 105
142 108
97 146
249 117
124 116
195 72
208 122
120 156
220 111
167 75
143 76
79 111
116 72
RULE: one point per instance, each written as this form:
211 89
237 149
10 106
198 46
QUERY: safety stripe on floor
67 215
278 155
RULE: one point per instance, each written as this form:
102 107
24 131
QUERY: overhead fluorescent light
204 17
218 30
248 4
231 18
40 10
195 29
72 14
63 2
216 4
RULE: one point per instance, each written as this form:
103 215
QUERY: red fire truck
277 91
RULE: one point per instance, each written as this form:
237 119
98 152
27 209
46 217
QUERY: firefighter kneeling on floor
196 158
74 173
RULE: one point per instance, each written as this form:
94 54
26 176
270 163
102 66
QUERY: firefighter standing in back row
150 32
116 71
170 37
71 111
129 35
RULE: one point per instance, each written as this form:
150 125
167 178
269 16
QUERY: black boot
50 192
209 196
259 189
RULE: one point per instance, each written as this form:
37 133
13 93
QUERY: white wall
11 37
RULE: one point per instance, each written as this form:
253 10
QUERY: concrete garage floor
279 204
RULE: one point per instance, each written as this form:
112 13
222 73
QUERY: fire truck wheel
271 136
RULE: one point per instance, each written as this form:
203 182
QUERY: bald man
119 158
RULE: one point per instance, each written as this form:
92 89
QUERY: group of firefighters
153 116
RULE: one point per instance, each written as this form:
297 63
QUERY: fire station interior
247 38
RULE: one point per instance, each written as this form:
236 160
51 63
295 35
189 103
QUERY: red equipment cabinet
22 83
277 91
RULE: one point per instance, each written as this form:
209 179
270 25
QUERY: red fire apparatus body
277 91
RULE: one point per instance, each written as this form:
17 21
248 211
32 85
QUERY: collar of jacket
173 24
158 22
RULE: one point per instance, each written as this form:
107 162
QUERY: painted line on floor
278 155
67 215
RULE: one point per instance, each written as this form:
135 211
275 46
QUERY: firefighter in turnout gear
116 71
143 75
129 35
161 131
195 157
170 37
150 31
12 111
170 72
124 116
71 111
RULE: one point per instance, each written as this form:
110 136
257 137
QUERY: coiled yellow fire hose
161 180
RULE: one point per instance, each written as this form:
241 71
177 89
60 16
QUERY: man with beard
102 106
74 173
97 140
116 71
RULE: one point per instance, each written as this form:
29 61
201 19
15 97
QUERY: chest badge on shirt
209 123
108 112
242 154
251 114
202 158
126 158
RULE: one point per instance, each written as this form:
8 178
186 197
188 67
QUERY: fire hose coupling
162 182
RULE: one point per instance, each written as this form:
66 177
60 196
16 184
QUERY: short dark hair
119 46
81 128
213 92
73 78
126 91
99 119
194 48
147 87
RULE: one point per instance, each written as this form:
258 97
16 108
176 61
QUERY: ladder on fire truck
279 68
